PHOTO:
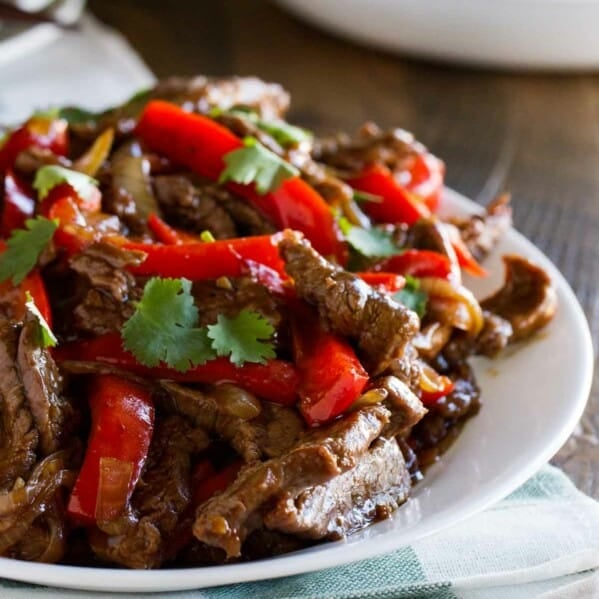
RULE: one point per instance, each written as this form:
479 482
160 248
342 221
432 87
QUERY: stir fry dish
223 338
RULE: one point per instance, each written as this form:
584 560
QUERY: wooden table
535 135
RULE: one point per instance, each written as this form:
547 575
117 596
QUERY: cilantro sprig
24 248
46 336
244 338
164 328
412 297
256 164
372 243
51 175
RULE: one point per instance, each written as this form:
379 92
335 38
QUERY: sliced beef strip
204 411
527 300
405 406
161 497
348 306
270 100
19 438
481 233
393 148
377 485
431 234
29 161
225 520
192 208
281 427
43 386
207 207
109 288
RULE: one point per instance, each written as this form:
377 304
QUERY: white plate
547 34
533 397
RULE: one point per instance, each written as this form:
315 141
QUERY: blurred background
524 119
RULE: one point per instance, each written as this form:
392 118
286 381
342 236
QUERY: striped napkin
542 541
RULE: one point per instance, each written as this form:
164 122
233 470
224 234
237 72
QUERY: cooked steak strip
161 497
208 207
270 100
347 305
43 386
109 287
393 148
19 439
377 485
225 520
405 406
194 208
527 299
206 412
482 232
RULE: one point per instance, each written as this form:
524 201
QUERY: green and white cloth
541 541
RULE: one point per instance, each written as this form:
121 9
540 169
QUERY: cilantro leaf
75 115
372 243
4 135
51 175
255 164
46 336
281 131
24 248
50 113
244 338
412 297
164 327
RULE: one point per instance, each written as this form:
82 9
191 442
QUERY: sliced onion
114 488
90 162
430 380
131 173
370 398
237 401
453 305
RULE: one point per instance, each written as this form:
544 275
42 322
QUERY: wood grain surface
535 135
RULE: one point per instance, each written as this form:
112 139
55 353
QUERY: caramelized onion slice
453 305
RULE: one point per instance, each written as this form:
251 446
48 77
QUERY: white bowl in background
518 34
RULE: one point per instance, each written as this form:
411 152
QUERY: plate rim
331 554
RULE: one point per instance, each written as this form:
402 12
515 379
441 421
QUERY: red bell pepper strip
426 174
466 260
72 234
207 482
200 261
15 296
18 204
430 398
388 282
39 132
200 144
331 376
418 263
276 380
122 416
163 232
64 190
396 206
